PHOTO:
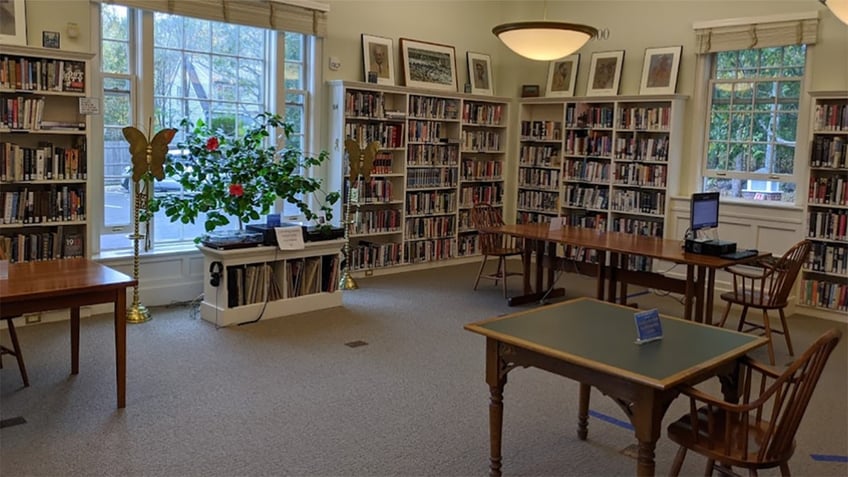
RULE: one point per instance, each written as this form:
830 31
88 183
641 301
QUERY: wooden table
592 342
34 287
613 249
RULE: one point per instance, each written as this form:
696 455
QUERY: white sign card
557 223
89 105
290 237
648 326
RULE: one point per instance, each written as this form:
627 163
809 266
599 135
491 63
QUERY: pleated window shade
762 34
309 18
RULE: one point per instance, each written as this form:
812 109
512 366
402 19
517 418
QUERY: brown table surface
34 287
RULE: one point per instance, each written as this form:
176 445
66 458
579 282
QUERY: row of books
645 202
593 144
376 221
374 191
538 200
831 117
435 202
429 250
21 113
586 170
634 173
538 178
426 131
36 246
382 163
366 255
41 74
41 206
585 197
256 283
658 118
248 284
828 258
831 190
530 217
481 141
45 162
829 152
488 194
541 130
587 116
437 177
484 114
364 104
642 149
825 294
467 245
831 225
540 156
432 155
426 107
651 228
429 227
388 135
589 221
482 170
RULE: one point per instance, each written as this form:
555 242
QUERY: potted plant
240 175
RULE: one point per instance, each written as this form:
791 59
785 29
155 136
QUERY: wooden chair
759 431
16 347
485 218
767 288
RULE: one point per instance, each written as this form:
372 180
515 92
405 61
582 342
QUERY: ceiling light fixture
544 40
839 8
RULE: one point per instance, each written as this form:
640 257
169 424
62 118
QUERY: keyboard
739 254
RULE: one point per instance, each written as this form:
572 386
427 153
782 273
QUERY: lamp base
138 314
346 282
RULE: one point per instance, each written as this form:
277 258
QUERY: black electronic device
740 254
709 247
216 269
269 236
312 233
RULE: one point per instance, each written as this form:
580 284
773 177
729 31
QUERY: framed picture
480 73
659 71
605 73
13 22
50 39
562 74
378 59
428 65
529 91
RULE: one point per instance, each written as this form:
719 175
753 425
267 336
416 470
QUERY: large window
222 73
753 123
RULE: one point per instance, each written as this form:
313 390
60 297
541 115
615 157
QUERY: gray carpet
288 397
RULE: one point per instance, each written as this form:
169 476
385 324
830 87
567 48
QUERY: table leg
528 256
121 346
75 336
540 264
496 379
551 253
709 296
612 286
648 411
602 274
699 295
689 296
583 412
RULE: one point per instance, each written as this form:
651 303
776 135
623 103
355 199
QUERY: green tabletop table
593 342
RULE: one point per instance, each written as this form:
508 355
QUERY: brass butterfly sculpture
361 160
148 155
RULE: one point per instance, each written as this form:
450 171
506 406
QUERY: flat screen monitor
704 211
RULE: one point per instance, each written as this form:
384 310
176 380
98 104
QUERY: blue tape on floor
610 419
822 457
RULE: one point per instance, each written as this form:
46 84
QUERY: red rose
236 190
212 144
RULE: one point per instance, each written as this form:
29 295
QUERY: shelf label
290 237
89 106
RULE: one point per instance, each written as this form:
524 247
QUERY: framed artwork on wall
605 73
13 22
659 71
428 65
378 59
562 75
480 73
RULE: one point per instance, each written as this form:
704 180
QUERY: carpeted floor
288 397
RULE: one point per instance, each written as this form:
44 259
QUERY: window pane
294 47
225 39
252 43
168 30
251 81
716 155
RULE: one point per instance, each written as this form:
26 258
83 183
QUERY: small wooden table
593 342
34 287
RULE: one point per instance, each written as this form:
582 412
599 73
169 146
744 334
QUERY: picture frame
605 73
562 76
529 91
660 70
480 73
13 22
50 39
378 56
428 65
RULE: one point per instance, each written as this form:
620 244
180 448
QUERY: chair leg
726 314
770 344
678 462
784 469
502 268
742 318
786 331
480 272
16 347
753 472
708 470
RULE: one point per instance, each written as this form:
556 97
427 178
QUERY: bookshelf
824 278
269 282
439 154
601 163
43 160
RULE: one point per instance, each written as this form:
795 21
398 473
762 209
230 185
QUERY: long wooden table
611 267
34 287
592 342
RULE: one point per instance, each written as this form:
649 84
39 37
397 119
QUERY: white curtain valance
299 16
761 32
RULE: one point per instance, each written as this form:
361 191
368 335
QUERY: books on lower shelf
258 282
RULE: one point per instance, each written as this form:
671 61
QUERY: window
223 73
753 123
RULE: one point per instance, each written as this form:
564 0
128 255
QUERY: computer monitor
703 211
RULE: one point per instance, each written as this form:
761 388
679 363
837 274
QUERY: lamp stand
136 312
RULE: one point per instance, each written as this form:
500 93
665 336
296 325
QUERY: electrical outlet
32 318
368 273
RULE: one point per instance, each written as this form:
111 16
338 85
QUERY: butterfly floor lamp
148 162
361 161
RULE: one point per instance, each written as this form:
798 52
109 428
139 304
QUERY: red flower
236 190
212 144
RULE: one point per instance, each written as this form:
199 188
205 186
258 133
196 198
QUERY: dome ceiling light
544 40
839 8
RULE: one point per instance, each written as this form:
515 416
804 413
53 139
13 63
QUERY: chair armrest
761 367
747 274
705 398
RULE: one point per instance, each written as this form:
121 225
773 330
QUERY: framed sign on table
428 65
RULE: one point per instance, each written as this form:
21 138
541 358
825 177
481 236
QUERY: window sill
175 250
751 203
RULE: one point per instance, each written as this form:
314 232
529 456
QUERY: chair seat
751 298
504 252
714 444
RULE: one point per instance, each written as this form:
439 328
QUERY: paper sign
557 223
89 106
290 237
648 326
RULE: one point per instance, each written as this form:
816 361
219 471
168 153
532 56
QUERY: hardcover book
73 77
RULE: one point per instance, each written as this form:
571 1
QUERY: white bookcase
43 153
440 153
824 278
266 282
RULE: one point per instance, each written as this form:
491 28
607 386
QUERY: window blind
299 16
761 32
